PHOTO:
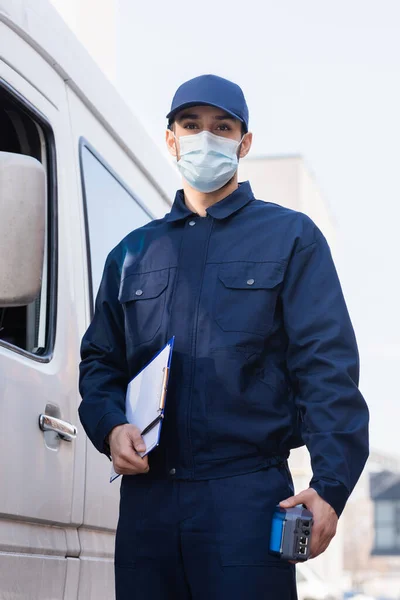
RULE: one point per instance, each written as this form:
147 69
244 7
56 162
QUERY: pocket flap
250 275
142 286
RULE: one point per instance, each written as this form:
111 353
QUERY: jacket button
172 472
191 223
250 281
139 292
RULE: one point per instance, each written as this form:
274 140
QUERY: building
385 493
372 550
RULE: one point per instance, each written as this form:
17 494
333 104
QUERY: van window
31 329
112 211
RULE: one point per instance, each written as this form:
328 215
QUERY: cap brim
174 112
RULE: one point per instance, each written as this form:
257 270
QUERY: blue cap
211 90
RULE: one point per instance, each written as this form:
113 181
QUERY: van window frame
84 143
52 218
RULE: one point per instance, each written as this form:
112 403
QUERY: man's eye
224 127
190 126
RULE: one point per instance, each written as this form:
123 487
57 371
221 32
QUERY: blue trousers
201 540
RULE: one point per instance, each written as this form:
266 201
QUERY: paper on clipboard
145 399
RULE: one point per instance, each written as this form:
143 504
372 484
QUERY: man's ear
171 142
246 145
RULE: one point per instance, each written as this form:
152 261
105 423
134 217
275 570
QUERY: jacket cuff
106 424
332 491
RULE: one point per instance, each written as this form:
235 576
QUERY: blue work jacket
265 356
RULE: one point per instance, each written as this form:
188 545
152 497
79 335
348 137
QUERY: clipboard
145 399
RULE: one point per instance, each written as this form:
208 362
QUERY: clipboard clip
164 388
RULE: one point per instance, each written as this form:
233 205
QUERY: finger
293 501
317 537
124 471
316 543
320 543
130 472
130 458
123 467
145 465
288 503
136 439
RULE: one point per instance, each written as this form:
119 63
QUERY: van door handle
65 430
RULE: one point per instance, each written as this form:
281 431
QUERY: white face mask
207 161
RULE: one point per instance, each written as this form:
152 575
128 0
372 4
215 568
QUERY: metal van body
105 177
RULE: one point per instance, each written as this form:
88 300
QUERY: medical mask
207 161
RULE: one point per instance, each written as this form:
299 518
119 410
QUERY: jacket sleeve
103 369
323 363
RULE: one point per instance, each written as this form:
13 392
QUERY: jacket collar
220 210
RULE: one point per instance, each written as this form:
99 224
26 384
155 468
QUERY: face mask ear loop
239 146
176 147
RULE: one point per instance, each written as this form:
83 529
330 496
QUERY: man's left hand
325 519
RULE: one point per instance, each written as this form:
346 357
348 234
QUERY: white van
77 173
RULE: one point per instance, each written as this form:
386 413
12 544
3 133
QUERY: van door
116 198
42 475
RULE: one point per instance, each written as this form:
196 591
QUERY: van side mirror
22 228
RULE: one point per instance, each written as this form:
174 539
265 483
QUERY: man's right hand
125 442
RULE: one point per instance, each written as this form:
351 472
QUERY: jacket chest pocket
143 296
246 296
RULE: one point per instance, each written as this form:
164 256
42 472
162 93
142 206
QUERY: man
265 360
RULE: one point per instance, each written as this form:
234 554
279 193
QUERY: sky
322 79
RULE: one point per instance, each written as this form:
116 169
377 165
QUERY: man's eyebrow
225 118
186 115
